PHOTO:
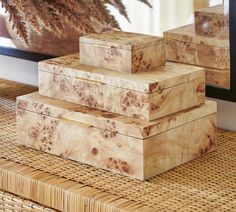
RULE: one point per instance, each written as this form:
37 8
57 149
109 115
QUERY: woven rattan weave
206 184
10 202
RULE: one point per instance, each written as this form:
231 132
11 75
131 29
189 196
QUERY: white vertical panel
215 2
226 114
18 70
175 13
165 14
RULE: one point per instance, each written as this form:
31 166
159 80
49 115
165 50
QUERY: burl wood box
185 46
212 21
122 51
145 95
218 78
121 144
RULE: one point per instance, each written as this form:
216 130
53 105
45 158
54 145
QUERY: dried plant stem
85 16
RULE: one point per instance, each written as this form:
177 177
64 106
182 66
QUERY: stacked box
204 44
212 21
125 145
147 95
122 51
138 122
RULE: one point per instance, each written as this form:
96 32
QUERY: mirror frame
17 53
221 93
211 91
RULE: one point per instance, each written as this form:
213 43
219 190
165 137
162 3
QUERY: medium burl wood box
212 21
183 45
121 144
145 95
123 51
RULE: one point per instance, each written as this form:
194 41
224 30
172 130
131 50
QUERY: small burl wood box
183 45
121 144
212 21
122 51
145 95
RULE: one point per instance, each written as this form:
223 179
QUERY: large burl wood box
145 95
121 144
212 21
122 51
185 46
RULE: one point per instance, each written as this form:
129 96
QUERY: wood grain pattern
187 34
212 21
110 150
123 51
109 121
177 146
170 75
121 40
79 142
123 101
218 78
196 53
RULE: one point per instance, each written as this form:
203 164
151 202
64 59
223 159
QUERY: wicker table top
205 184
11 202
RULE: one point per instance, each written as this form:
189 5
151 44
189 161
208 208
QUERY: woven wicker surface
10 202
206 184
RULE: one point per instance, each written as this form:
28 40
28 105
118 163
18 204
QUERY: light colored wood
122 51
10 202
170 75
133 127
212 21
200 4
187 34
218 78
108 148
121 40
185 49
167 90
61 194
79 142
205 184
176 99
123 101
180 145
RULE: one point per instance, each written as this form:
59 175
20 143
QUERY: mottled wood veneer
184 46
170 75
212 21
218 78
123 101
123 51
99 138
147 96
180 145
109 121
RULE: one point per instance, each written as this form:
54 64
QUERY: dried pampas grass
85 16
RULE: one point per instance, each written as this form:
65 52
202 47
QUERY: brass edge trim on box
77 123
88 80
103 46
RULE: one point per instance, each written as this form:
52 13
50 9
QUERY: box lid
129 126
121 40
172 74
187 34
